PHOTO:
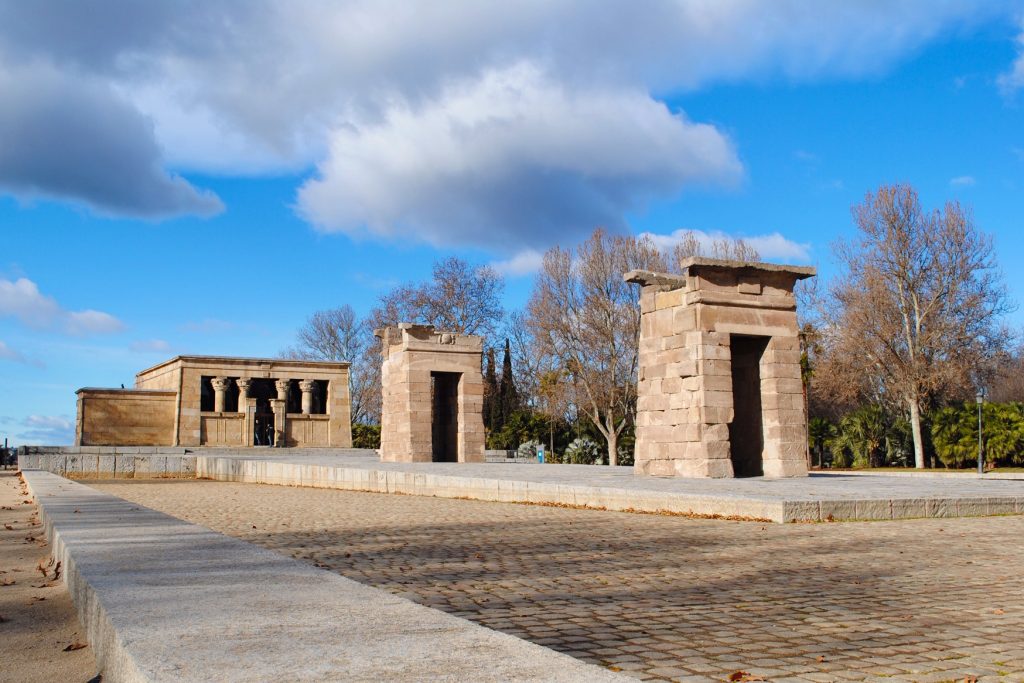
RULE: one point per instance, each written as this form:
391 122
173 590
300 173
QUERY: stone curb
350 478
165 600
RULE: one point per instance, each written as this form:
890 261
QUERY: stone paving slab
806 499
658 597
165 600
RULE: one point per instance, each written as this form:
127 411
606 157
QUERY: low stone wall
109 462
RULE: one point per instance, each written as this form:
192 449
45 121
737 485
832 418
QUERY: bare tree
338 334
916 309
724 248
459 297
586 318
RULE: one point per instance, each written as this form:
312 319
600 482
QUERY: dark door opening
746 431
263 390
444 416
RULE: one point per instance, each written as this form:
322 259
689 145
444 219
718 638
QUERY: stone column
243 392
220 385
282 389
306 385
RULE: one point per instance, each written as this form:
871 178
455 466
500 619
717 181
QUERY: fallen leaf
77 645
821 658
56 572
8 527
970 679
998 611
8 582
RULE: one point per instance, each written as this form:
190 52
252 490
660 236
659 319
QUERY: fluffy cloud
510 159
962 181
73 138
21 299
7 353
48 430
270 85
524 262
1013 80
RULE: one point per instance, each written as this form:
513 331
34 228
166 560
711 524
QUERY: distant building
224 402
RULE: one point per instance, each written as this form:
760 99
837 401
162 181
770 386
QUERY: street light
980 399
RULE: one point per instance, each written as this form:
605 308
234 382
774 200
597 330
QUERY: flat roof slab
832 497
165 600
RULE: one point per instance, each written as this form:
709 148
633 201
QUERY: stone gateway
433 395
720 393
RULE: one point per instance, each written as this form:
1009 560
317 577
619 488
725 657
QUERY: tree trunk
915 428
613 446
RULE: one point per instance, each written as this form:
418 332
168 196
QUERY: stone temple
720 392
222 402
432 409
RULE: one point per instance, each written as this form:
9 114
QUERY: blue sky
163 195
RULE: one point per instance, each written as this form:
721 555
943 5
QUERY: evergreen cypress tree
491 394
509 397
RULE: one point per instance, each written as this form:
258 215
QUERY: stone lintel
693 264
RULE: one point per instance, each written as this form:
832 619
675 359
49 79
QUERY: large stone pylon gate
433 393
720 391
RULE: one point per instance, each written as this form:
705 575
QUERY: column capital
220 383
244 383
306 385
282 384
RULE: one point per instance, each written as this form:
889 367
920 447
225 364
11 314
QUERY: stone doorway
444 416
746 431
263 391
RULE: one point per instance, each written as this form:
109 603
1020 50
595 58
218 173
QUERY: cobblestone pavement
662 597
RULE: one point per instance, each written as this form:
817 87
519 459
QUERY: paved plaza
661 597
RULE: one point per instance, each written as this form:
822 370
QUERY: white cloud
150 346
771 247
510 160
50 430
1013 80
278 85
525 262
962 181
7 353
21 299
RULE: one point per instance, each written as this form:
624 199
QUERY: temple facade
223 402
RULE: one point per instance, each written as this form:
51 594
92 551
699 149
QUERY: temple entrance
263 390
263 429
444 416
746 431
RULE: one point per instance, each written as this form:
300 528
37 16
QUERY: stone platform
165 600
815 498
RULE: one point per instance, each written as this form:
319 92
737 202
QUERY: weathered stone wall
685 391
124 417
410 355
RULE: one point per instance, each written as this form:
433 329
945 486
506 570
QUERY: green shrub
365 436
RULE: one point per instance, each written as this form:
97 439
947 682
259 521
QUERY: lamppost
980 399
